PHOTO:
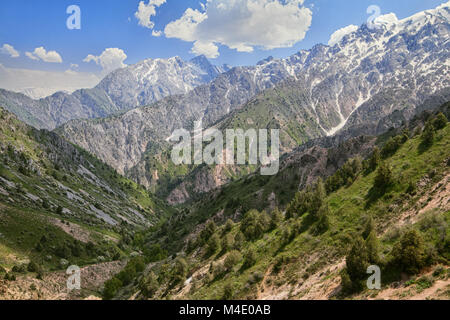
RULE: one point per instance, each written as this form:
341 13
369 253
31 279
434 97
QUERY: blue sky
29 24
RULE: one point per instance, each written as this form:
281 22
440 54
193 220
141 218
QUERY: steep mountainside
61 206
299 169
367 75
391 210
205 178
121 90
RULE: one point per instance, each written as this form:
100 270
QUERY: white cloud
110 59
42 54
72 68
9 50
209 49
31 56
341 33
186 27
146 12
242 25
38 84
156 33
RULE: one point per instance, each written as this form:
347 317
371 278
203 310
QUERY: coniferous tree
275 218
213 244
232 259
228 225
323 220
346 282
254 224
409 252
357 260
372 247
249 259
238 240
428 135
149 285
384 177
206 233
356 166
111 287
440 121
179 270
227 242
300 204
228 292
318 197
375 159
369 227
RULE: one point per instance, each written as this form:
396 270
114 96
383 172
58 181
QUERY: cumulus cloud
209 49
341 33
42 54
110 59
242 25
156 33
31 56
146 12
39 84
9 50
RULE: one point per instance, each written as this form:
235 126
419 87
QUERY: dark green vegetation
125 277
352 216
327 207
60 205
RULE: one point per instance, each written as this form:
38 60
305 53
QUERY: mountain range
123 89
350 86
86 178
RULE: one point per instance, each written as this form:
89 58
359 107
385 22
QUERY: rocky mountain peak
133 86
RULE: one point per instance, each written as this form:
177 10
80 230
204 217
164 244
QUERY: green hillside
364 212
60 205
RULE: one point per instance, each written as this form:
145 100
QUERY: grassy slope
40 173
308 253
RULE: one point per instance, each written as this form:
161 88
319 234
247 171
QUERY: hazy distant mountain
39 93
140 84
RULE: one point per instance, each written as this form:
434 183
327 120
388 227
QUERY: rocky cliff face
42 171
